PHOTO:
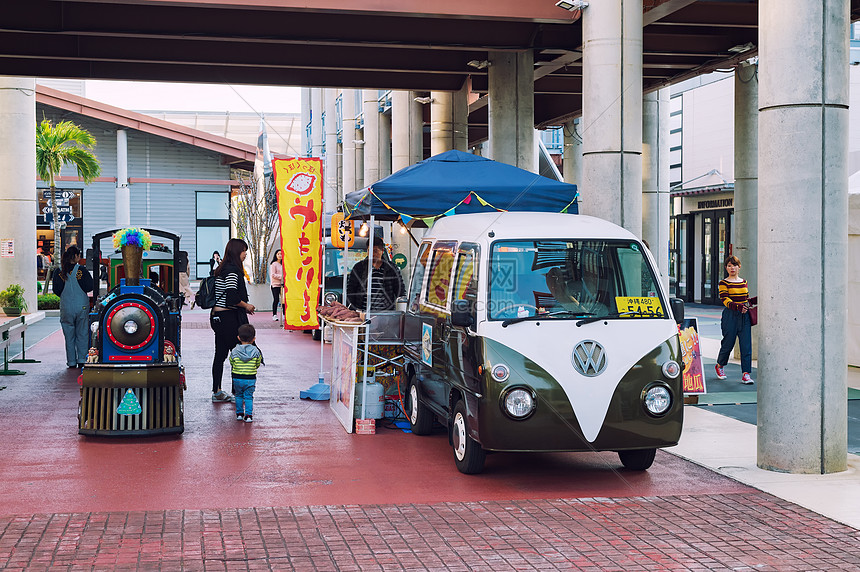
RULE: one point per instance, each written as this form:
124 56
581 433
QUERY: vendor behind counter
387 285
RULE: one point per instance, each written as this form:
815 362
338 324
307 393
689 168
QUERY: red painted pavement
295 453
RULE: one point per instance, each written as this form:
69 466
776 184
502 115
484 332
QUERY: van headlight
657 399
330 297
671 369
519 402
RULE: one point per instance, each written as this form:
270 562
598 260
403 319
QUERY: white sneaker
274 318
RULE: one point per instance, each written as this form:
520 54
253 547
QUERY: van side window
418 278
439 279
466 277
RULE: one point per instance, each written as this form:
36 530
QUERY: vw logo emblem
589 358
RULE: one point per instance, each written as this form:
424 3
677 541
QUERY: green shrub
49 302
13 297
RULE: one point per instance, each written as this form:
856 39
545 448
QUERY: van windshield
571 279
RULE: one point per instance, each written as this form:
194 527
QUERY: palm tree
65 144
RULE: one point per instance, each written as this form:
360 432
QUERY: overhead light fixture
479 64
424 100
741 48
571 5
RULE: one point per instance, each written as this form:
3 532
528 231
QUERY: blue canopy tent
455 182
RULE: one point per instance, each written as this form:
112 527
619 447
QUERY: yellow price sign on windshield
648 306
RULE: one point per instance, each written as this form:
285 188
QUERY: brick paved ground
752 531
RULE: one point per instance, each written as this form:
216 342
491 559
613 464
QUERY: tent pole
369 288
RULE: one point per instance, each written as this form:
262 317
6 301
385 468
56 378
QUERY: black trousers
225 324
276 298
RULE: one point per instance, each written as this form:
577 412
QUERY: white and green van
529 331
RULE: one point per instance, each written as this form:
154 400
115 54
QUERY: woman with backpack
230 311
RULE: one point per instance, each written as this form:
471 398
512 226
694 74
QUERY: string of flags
429 220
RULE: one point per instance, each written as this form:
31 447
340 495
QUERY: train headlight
657 399
671 369
130 327
519 402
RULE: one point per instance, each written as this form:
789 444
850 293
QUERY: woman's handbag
753 312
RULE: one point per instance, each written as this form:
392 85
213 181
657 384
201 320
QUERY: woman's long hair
275 256
70 258
232 254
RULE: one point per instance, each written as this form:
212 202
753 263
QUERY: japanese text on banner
299 185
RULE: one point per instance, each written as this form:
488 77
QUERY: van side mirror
461 313
677 309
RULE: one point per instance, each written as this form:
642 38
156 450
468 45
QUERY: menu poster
691 353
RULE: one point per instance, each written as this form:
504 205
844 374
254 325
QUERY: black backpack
205 297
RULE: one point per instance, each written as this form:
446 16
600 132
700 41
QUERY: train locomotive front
133 381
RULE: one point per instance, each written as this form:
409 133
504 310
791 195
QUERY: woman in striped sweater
735 323
231 310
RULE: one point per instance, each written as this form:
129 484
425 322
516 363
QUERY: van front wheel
420 419
637 459
468 454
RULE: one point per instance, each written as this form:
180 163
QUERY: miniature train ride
133 381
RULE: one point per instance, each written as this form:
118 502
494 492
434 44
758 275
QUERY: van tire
637 459
469 456
420 419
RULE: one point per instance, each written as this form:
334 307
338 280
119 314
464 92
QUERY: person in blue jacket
71 282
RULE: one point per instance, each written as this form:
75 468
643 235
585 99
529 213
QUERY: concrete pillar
655 178
384 141
330 165
316 122
746 180
416 126
18 185
612 112
370 106
122 197
511 112
306 120
359 138
449 121
571 165
803 234
348 138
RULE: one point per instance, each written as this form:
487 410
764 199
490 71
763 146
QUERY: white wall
708 124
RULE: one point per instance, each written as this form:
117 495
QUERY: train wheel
420 419
469 456
637 459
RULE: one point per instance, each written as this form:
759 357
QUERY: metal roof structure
399 44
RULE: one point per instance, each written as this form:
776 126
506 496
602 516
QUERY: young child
245 359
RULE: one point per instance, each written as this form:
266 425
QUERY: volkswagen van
529 332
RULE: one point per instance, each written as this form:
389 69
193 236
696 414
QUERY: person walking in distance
245 359
71 282
231 310
276 278
735 323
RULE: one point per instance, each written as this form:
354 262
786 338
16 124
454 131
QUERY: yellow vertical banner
299 186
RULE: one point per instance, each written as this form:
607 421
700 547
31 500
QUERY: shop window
213 227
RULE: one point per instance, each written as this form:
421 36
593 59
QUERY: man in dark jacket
387 285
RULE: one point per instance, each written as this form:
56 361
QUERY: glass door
680 259
716 246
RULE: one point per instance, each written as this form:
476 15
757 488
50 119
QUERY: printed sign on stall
299 186
691 353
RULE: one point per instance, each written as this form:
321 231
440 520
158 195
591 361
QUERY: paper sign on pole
299 186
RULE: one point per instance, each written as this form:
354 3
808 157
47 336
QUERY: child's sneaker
240 417
249 418
221 396
720 373
746 379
